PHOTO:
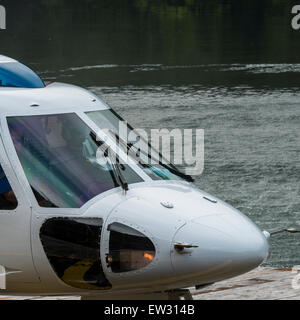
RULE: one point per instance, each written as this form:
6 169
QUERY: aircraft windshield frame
61 161
148 159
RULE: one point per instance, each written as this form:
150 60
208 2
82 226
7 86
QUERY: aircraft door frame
15 229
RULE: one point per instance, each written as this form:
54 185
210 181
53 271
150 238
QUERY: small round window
128 249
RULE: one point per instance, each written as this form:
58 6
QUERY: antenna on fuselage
289 230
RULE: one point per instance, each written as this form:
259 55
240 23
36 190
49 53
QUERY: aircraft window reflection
8 200
43 202
136 147
128 249
73 249
59 159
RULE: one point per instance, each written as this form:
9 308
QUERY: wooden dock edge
263 283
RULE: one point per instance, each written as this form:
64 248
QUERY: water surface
231 68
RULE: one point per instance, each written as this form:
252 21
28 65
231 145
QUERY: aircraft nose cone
226 247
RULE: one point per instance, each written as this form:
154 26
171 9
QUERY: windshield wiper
114 162
171 169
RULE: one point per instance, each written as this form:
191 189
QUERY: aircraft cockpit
63 162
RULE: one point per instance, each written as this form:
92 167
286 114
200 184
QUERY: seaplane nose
217 247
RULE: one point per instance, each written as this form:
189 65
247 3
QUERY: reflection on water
229 67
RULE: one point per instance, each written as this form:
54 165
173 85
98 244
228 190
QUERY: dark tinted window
128 249
73 249
8 200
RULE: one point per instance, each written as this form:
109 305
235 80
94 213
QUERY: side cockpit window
8 200
129 249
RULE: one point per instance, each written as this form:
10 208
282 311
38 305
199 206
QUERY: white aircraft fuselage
75 230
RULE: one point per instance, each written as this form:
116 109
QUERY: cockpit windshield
147 158
61 160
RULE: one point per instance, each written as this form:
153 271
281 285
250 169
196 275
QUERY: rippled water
251 117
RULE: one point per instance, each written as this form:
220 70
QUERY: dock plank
263 283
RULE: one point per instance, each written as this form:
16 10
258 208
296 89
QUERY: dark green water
231 68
